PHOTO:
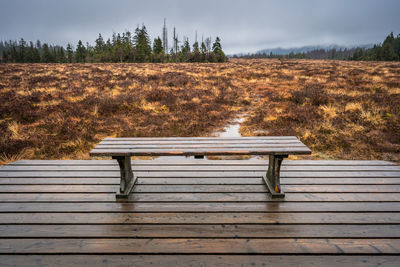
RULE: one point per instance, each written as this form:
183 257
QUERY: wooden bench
277 147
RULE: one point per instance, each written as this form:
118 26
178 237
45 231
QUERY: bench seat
277 147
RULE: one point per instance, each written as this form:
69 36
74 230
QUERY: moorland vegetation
340 109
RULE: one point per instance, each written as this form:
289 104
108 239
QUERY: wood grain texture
191 146
303 150
335 213
200 231
203 207
196 162
188 174
197 197
204 168
203 181
199 138
180 218
199 188
198 260
200 246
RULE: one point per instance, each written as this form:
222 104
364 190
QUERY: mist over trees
125 47
389 50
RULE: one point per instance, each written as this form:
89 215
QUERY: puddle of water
232 130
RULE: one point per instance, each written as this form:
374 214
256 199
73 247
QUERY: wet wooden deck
200 213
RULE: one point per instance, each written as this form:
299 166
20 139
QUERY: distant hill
389 50
312 52
305 49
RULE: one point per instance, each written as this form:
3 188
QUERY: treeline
125 47
389 50
339 54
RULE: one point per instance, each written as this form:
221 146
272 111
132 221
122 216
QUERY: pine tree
4 58
142 45
196 56
185 51
114 39
22 51
70 53
127 46
36 55
47 54
158 50
61 55
388 52
99 43
38 45
218 54
29 55
99 48
108 51
396 46
80 53
157 46
13 53
203 51
217 45
389 39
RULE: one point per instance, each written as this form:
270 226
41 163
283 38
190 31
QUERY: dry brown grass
61 111
340 109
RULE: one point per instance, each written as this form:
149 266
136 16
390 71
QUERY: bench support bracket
272 177
128 179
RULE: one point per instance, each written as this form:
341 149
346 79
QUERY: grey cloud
244 26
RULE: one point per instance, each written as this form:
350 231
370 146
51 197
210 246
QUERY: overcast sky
244 26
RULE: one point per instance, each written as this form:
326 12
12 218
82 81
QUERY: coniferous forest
125 47
389 50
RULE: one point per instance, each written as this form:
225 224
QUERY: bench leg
272 178
128 179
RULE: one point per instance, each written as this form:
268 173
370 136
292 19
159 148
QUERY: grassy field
341 110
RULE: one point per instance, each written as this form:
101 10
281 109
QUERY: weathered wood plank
196 162
201 142
338 188
200 231
160 219
76 181
200 138
198 197
138 188
239 174
261 188
195 246
178 146
203 168
208 151
203 207
197 260
205 181
198 188
209 181
122 218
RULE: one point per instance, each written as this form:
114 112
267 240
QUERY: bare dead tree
165 37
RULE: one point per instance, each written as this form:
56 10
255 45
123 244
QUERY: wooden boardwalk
200 213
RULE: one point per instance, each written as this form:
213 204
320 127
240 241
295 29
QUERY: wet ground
231 130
